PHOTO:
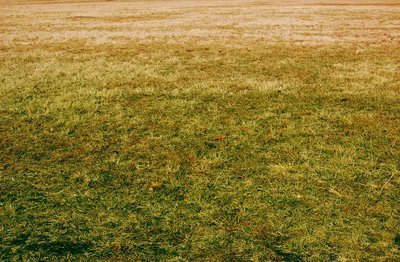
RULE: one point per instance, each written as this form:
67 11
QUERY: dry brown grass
267 22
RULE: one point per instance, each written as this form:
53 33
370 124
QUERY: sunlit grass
194 150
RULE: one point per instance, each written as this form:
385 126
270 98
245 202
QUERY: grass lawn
190 148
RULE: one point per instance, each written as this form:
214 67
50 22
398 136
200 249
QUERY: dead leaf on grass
219 138
155 185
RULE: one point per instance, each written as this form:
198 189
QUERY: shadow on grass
48 251
60 248
285 256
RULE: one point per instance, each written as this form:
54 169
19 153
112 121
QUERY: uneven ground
200 130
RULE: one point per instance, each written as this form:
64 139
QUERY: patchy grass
197 151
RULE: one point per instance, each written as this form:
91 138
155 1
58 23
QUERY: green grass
308 168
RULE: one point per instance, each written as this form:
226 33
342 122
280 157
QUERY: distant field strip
303 23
